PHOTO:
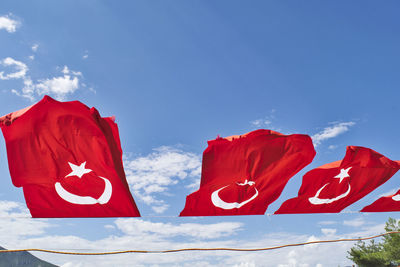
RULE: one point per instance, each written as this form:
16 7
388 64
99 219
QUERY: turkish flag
68 160
334 186
242 175
384 204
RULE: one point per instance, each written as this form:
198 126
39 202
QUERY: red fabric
384 204
250 170
366 170
44 140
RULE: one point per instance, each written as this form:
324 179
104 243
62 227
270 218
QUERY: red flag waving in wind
242 175
383 204
332 187
68 160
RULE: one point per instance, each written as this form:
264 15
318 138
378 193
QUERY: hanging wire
196 249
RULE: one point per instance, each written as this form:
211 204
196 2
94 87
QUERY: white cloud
138 227
20 231
160 208
67 71
291 260
27 91
195 185
73 264
328 231
296 257
35 47
152 175
261 122
331 132
139 234
85 55
19 72
264 122
109 226
355 222
245 264
16 221
8 24
327 222
58 87
312 238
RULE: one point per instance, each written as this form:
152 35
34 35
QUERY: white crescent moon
80 200
315 200
396 197
218 202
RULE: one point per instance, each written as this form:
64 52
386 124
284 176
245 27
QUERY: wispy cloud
245 264
138 227
152 175
35 47
327 222
331 132
19 69
355 222
9 24
328 231
261 123
86 54
264 122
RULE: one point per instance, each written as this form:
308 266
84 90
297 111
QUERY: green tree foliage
385 254
391 243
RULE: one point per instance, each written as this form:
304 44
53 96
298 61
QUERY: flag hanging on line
384 204
242 175
68 160
334 186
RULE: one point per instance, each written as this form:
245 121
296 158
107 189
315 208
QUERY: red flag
243 174
68 160
384 204
332 187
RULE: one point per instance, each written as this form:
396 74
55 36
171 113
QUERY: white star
78 170
343 174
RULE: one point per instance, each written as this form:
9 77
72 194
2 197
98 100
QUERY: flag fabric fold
242 175
68 160
334 186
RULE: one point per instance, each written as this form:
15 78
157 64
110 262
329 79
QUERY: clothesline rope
197 249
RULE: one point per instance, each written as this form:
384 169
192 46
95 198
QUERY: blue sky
178 73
